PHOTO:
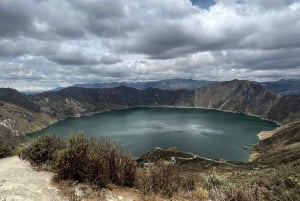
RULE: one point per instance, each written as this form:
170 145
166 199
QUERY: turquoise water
209 133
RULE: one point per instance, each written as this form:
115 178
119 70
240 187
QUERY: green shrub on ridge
83 159
42 150
5 150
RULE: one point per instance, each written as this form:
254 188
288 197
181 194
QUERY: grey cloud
97 73
73 58
99 9
108 60
162 41
263 59
77 58
105 18
14 18
39 19
221 28
22 46
13 72
43 41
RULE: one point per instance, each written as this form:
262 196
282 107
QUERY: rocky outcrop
249 98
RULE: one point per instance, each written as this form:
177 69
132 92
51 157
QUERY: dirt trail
19 182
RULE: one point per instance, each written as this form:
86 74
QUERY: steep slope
250 98
282 147
18 114
76 101
17 98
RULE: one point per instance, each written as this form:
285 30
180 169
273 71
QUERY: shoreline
220 110
259 135
279 125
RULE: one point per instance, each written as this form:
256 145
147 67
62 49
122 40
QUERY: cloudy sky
50 43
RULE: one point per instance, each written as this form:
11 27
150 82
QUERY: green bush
42 150
71 162
95 161
121 166
5 150
82 159
98 171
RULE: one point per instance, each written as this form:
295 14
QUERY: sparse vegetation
5 150
42 150
82 159
165 179
100 162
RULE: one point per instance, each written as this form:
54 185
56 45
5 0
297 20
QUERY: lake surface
209 133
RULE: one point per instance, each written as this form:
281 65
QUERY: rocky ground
19 182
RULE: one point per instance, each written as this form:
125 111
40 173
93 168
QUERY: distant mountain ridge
291 86
22 113
169 84
288 86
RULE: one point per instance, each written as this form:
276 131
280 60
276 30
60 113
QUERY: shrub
95 161
164 179
5 150
71 161
82 159
121 166
216 180
42 150
201 194
126 170
97 172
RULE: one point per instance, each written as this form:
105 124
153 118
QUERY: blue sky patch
203 3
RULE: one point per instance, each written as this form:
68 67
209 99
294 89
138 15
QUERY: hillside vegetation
172 174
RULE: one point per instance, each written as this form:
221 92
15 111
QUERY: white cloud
54 42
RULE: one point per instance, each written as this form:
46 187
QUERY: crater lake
208 133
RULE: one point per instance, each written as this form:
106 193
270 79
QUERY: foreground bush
42 150
5 150
71 162
96 161
82 159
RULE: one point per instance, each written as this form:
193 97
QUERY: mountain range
20 113
291 86
288 86
169 84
